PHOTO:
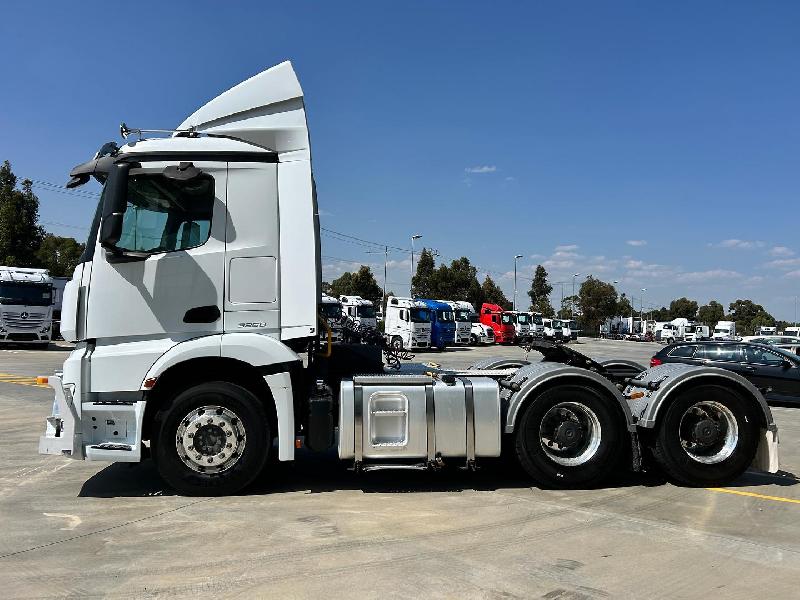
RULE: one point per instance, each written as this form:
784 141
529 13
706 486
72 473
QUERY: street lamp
516 257
413 237
385 253
641 310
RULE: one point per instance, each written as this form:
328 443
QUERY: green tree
493 294
20 233
459 281
540 293
711 313
59 255
624 307
423 281
598 301
683 308
326 288
748 315
361 283
569 307
661 314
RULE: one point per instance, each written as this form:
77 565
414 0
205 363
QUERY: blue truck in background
443 324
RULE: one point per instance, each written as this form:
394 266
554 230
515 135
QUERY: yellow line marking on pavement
754 495
21 380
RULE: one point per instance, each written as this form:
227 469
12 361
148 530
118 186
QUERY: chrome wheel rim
708 432
570 434
210 439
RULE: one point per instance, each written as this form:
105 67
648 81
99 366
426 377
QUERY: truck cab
724 330
360 310
522 325
500 320
563 325
765 330
550 330
695 333
408 323
443 324
463 312
26 306
331 310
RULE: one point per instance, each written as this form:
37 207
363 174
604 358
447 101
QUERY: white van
408 323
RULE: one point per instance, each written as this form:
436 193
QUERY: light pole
410 290
641 310
385 261
516 257
572 302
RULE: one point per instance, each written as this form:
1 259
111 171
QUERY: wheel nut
210 459
197 425
190 435
222 455
229 433
198 457
210 421
229 445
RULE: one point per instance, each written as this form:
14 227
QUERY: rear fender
537 377
672 378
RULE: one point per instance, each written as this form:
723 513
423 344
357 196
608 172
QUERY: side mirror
115 200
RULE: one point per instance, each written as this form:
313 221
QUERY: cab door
169 287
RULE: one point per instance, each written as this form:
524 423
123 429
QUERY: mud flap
766 458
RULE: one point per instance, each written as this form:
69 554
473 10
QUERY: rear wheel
708 436
212 440
473 339
397 342
569 437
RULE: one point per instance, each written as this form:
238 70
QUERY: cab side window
719 352
683 352
761 356
165 215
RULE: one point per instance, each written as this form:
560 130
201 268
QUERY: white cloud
567 248
707 276
636 242
793 274
740 244
781 251
536 256
395 264
481 169
511 178
784 263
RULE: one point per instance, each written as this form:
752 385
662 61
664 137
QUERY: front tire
708 437
569 437
212 439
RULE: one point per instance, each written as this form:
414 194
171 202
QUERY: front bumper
109 430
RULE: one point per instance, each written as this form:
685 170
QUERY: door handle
202 314
750 369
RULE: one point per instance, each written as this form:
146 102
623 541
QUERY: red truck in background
501 322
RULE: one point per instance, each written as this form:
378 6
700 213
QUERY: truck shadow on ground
327 474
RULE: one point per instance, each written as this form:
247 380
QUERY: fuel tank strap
469 407
430 416
358 423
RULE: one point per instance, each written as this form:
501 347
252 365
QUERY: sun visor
266 110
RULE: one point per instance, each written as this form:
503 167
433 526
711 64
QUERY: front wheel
708 437
569 437
212 440
397 342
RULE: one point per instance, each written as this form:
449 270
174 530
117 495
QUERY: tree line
25 243
595 301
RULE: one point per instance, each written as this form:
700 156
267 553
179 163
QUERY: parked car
772 339
773 370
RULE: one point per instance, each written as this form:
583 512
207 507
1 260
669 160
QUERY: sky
650 143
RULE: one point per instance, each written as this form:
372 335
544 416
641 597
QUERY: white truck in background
724 330
362 311
202 339
330 309
26 306
696 333
462 312
766 330
407 323
522 325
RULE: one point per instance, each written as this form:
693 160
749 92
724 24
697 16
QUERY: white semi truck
26 306
724 330
462 312
522 325
194 313
408 323
361 310
330 309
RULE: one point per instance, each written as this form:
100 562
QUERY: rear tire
230 422
684 453
397 342
569 437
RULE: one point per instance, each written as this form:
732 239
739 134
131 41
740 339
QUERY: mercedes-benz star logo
23 315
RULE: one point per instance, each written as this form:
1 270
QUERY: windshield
522 319
331 311
507 319
690 329
420 315
573 324
444 315
462 315
537 319
29 294
366 312
721 330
